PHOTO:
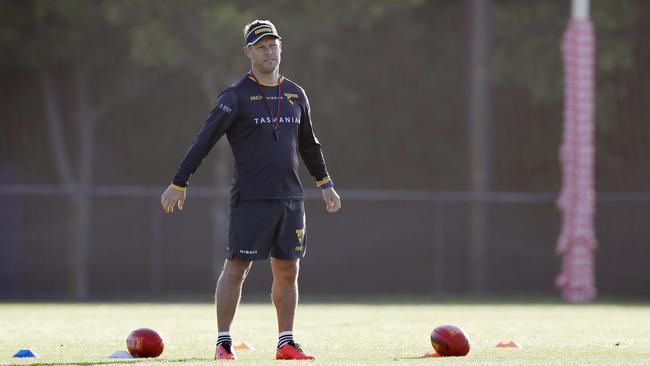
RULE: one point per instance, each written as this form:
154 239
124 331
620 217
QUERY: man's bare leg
285 291
228 291
285 299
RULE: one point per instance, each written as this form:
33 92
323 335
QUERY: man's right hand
170 198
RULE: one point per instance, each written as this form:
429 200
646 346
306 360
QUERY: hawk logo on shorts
300 234
291 97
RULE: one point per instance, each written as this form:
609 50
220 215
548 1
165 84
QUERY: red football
145 342
450 340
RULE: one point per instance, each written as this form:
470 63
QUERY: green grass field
338 334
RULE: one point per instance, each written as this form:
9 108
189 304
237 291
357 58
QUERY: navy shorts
260 228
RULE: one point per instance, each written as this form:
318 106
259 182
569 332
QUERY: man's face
265 54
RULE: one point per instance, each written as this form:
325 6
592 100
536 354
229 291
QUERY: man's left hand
332 200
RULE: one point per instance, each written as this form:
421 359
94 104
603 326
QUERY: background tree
78 58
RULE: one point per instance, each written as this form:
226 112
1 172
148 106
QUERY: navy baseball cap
258 31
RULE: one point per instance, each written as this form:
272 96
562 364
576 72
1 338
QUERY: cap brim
257 39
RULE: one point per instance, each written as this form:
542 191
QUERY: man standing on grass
266 118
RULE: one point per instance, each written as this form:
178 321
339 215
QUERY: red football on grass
145 342
450 340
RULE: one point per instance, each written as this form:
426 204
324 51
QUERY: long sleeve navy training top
265 167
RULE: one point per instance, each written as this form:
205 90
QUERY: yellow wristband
323 181
178 188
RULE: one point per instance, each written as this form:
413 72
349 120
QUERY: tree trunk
82 207
80 188
479 137
62 163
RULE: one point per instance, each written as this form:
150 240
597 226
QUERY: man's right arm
215 126
219 120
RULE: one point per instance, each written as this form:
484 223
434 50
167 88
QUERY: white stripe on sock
284 338
223 337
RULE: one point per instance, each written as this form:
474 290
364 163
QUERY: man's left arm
312 155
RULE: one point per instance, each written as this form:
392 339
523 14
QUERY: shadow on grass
120 361
351 299
410 358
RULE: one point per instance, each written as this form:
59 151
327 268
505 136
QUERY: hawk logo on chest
291 97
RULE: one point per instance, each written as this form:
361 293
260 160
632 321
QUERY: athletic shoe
224 352
292 351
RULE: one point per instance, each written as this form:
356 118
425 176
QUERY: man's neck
267 79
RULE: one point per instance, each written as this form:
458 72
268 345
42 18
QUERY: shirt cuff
325 183
178 188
